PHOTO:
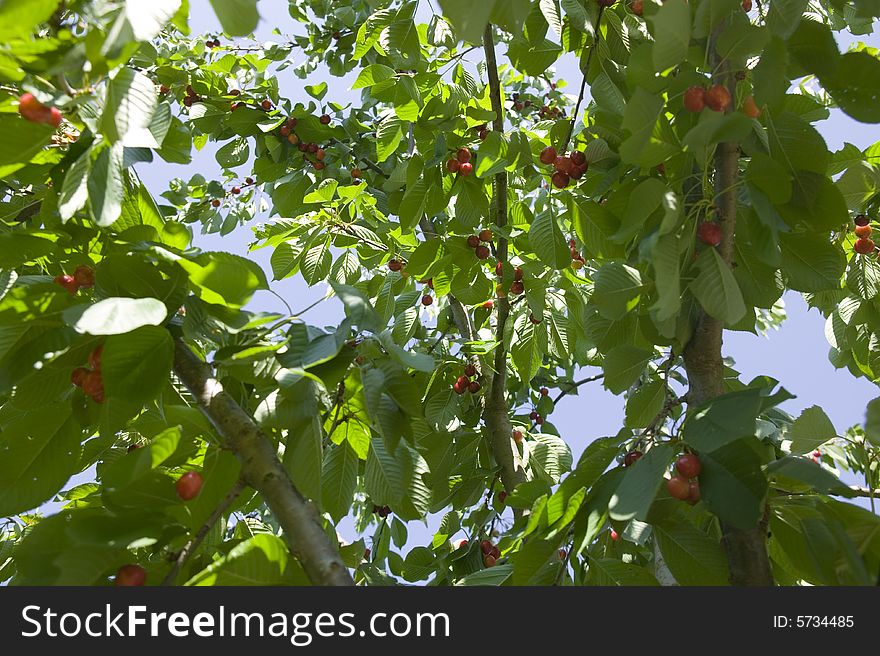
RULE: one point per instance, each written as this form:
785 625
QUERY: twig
573 386
193 545
577 107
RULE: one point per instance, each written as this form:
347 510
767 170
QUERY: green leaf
641 482
645 404
75 190
692 556
130 102
623 365
492 576
412 206
732 484
138 21
135 365
317 91
468 18
493 155
260 560
872 422
115 316
610 571
723 420
106 187
224 278
19 17
810 430
855 86
388 137
383 477
716 288
316 262
617 290
339 480
41 451
643 201
20 139
672 34
372 75
304 455
810 262
238 17
548 241
532 58
807 472
235 153
528 347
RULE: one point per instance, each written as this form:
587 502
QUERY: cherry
233 107
499 269
489 560
459 388
562 163
482 134
562 554
249 181
470 371
577 264
637 7
234 93
544 391
189 485
694 493
539 420
578 158
661 168
577 172
465 168
236 190
337 35
488 305
482 252
474 387
367 553
496 552
631 457
861 220
717 98
294 140
473 241
517 436
517 273
164 89
325 119
291 122
320 153
68 282
394 265
463 155
695 99
130 575
751 109
285 131
502 496
427 300
560 180
747 5
548 155
535 320
215 203
688 465
679 487
864 246
266 104
312 148
93 385
863 231
461 543
615 536
517 287
817 453
533 415
486 547
709 232
33 110
95 356
84 276
78 375
356 174
485 235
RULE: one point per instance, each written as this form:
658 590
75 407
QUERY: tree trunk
261 469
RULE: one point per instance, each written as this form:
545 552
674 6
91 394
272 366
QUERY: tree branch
495 414
261 469
573 386
193 545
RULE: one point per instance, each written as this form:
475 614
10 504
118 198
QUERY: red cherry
679 487
535 320
234 93
452 165
266 104
533 415
577 172
747 5
863 231
189 485
312 148
630 458
285 131
325 119
539 420
864 246
356 174
517 273
560 180
483 134
502 496
95 357
465 168
482 252
462 381
688 465
93 385
474 387
489 560
463 155
750 108
637 7
562 163
486 547
394 265
517 287
84 276
473 241
695 99
694 493
55 117
517 436
499 269
236 190
614 535
544 391
817 453
717 98
68 282
485 235
78 375
578 158
164 89
709 232
459 389
130 575
215 203
470 371
320 154
861 220
548 155
488 305
427 300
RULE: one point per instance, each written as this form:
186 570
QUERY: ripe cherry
548 155
518 273
485 235
452 165
864 246
463 381
130 575
695 99
517 436
320 153
236 190
482 252
631 457
234 93
465 168
312 147
78 375
427 300
533 415
463 155
688 465
535 320
614 535
544 391
861 220
68 282
459 388
356 174
189 485
164 89
215 203
325 119
560 180
394 265
562 163
747 5
517 287
474 387
709 232
717 98
751 109
486 547
694 493
95 357
84 276
249 181
285 131
473 241
266 104
483 134
470 371
319 166
488 305
637 7
502 496
93 385
863 231
539 420
578 158
489 560
577 172
679 487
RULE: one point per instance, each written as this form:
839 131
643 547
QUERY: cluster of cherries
684 485
478 243
286 131
577 260
568 167
34 111
533 415
213 43
90 378
461 163
83 277
517 287
191 96
382 511
864 244
188 487
466 382
716 97
235 191
427 299
491 553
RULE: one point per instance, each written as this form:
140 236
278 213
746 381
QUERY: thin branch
573 386
577 107
193 545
